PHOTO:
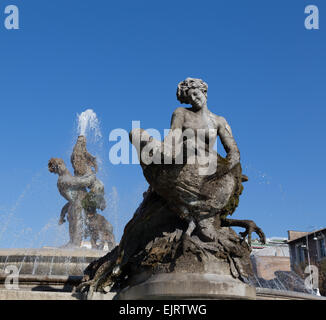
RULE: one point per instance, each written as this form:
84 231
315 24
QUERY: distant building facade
307 247
272 267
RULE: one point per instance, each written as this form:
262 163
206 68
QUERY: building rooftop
296 235
270 242
275 246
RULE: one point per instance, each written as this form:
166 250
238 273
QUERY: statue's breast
194 124
202 126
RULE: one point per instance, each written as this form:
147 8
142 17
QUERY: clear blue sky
266 75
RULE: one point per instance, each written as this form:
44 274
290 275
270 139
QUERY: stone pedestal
188 286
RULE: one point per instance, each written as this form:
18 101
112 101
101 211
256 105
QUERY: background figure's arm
79 182
229 144
64 211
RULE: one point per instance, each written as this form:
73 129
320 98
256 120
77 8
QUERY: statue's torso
204 126
68 191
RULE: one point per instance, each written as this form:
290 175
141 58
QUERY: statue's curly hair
186 85
54 164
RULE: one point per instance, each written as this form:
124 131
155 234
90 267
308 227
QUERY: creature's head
79 157
192 91
56 165
81 141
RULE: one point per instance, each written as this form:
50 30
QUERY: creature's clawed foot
84 286
250 228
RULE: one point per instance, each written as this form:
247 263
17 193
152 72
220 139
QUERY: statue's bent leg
70 219
71 230
79 232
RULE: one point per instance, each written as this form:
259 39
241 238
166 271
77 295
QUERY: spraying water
87 123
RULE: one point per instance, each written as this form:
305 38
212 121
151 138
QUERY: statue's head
56 165
192 91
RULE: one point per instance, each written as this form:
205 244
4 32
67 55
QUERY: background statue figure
83 162
75 188
96 226
182 225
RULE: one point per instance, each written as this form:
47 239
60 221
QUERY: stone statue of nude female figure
202 199
182 224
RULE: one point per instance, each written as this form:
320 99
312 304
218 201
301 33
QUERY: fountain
59 268
83 191
179 243
87 123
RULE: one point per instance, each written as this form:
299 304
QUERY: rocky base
155 242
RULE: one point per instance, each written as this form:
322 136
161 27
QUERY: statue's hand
232 162
61 221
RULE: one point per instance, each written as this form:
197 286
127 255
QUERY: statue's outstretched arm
80 182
